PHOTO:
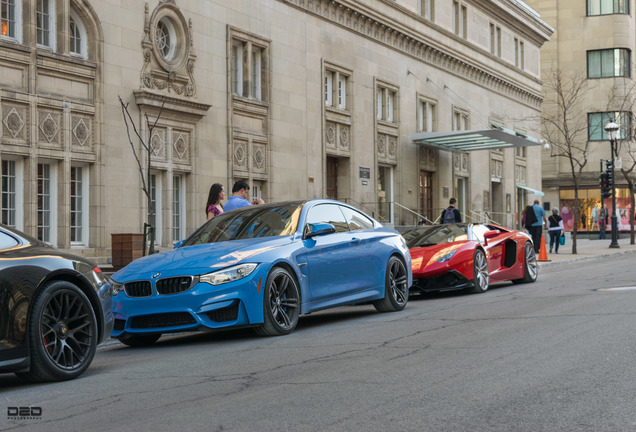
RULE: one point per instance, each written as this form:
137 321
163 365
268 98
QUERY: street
556 355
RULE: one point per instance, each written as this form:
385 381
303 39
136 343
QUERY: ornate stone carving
330 135
168 51
14 121
49 127
240 154
158 143
496 169
82 132
181 144
260 158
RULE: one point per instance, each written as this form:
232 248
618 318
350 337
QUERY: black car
55 308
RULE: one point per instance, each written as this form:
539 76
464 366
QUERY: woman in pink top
214 206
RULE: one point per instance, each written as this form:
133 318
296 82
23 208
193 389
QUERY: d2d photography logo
24 413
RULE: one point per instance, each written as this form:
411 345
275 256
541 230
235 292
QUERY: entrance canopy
482 139
533 191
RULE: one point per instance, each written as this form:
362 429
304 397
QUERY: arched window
78 42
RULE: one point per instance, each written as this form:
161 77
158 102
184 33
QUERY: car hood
198 259
422 257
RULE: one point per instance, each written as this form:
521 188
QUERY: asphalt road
556 355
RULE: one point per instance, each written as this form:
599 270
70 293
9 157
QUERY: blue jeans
555 237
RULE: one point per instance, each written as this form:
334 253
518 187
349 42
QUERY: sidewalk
587 250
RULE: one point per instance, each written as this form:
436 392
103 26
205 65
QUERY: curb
576 258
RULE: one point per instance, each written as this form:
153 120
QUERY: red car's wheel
481 277
530 265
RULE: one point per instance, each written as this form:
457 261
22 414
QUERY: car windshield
249 222
435 234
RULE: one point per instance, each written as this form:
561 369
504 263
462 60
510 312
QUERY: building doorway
426 194
385 193
332 178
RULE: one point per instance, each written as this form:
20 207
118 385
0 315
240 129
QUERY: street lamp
612 130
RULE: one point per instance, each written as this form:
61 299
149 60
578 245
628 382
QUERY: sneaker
550 251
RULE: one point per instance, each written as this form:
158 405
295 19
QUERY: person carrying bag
555 229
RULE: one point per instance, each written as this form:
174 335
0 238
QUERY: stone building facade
301 98
595 40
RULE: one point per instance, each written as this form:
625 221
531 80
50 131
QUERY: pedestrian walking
536 228
555 229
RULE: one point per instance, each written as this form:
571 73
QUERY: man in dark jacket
451 214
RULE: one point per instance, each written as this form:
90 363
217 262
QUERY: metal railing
400 215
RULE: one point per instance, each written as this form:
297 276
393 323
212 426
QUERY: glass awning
533 191
469 140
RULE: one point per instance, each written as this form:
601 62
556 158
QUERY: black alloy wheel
62 333
281 304
396 293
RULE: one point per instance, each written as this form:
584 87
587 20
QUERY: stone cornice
361 20
185 108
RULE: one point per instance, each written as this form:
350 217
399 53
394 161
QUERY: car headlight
447 256
116 287
230 274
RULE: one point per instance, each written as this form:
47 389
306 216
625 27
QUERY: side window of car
6 241
356 220
328 213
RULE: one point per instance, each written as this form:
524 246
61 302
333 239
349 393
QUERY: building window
427 9
426 116
596 125
77 36
248 68
178 208
460 120
155 205
329 88
520 54
608 63
79 205
8 12
47 199
45 23
495 40
607 7
460 19
386 100
11 181
342 92
166 38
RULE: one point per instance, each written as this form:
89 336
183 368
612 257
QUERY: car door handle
355 240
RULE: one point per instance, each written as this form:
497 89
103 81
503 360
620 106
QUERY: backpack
449 216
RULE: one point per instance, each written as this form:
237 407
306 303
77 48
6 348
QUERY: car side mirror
313 230
489 235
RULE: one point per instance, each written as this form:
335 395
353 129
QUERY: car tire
281 304
62 333
481 279
139 340
530 265
396 290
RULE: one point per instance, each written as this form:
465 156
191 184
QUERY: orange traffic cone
543 255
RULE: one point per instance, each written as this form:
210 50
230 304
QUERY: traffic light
606 186
609 170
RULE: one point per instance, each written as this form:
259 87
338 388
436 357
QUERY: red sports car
469 256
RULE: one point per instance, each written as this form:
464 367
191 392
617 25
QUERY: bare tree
564 125
144 173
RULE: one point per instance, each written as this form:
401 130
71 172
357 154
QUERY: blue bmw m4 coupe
263 266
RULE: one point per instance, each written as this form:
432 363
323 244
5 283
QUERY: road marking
617 289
